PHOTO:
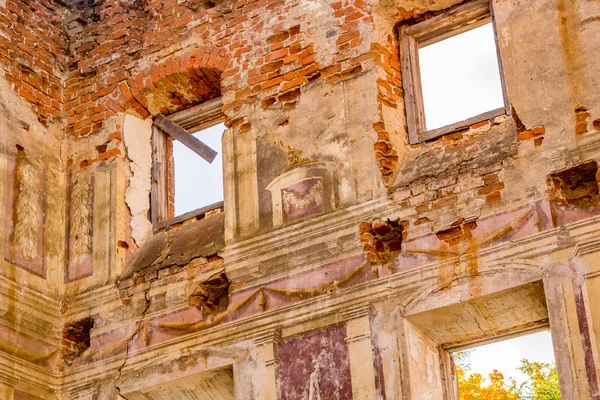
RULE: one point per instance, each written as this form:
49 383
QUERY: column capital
357 311
270 336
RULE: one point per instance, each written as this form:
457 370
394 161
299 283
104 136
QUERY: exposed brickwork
578 185
524 133
459 231
139 58
389 87
390 95
33 53
212 295
446 190
76 339
582 119
382 239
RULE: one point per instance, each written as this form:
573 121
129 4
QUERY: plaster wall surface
335 234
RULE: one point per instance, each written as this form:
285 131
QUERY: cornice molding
398 286
589 247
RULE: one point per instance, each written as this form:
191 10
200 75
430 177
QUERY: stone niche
303 191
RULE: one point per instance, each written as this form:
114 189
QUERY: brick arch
174 84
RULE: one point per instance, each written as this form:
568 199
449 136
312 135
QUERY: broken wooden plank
178 133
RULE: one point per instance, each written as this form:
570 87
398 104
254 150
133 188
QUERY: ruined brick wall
333 224
34 53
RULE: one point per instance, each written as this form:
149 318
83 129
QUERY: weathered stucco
345 263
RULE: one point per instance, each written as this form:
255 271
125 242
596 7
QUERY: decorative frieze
80 228
27 208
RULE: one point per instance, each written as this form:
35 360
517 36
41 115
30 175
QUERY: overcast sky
506 356
460 77
198 183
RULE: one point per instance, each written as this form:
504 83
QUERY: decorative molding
27 208
81 220
254 261
585 248
285 199
397 286
302 293
357 312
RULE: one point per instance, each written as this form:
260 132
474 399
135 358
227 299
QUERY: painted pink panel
307 199
299 356
524 220
306 279
568 214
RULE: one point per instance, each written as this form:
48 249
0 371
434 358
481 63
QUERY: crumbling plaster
337 134
487 183
44 147
137 136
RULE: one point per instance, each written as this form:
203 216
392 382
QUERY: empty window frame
184 183
452 72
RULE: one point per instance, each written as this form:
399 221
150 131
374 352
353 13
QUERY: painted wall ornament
294 156
302 191
81 223
81 220
314 390
27 208
314 196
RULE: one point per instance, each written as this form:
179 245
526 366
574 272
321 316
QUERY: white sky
505 356
460 77
198 183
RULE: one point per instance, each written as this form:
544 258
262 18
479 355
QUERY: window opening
187 165
460 77
452 72
197 183
513 369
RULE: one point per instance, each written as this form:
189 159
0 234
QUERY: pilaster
266 345
360 348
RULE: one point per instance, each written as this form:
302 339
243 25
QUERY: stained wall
334 229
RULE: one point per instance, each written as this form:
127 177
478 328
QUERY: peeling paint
137 135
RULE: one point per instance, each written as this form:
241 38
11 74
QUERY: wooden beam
159 198
178 133
457 126
199 117
199 214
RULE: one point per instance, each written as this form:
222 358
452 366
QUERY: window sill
198 214
461 125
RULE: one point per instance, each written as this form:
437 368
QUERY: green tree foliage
541 384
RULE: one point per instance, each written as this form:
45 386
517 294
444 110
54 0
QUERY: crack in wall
135 333
474 319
